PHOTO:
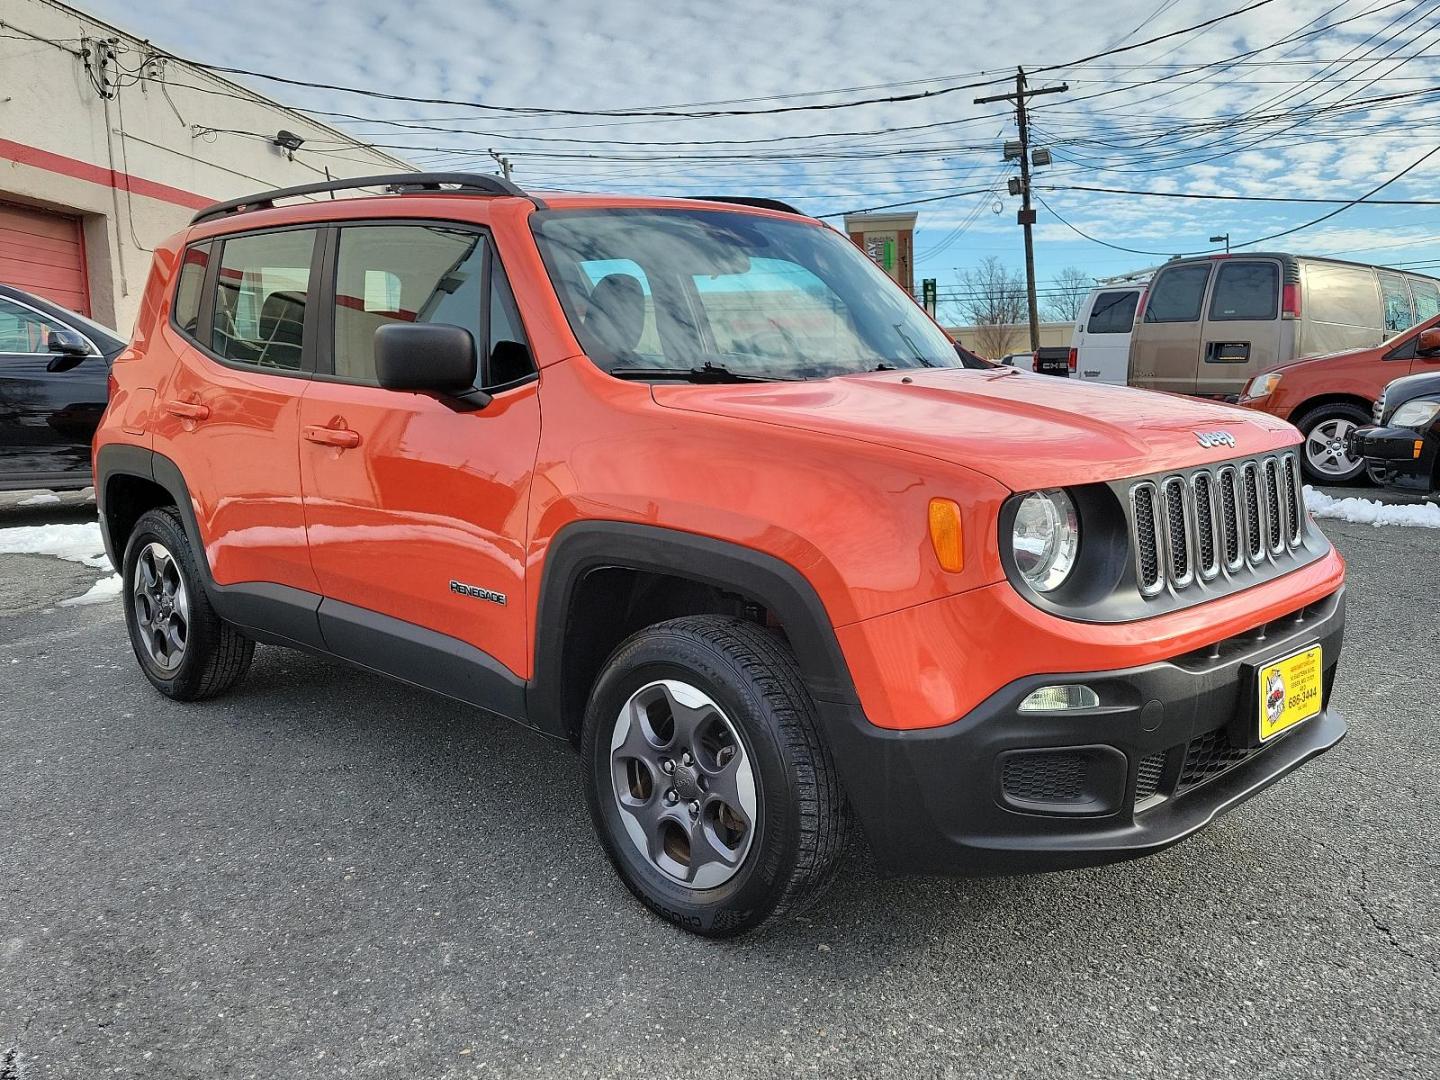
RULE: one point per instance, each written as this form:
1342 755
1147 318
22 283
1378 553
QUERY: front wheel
1327 459
707 781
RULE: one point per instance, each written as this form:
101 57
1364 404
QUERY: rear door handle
326 436
188 410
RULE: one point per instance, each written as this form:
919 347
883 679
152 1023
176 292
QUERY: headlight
1045 539
1262 385
1415 414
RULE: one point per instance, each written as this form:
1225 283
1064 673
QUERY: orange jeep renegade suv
692 485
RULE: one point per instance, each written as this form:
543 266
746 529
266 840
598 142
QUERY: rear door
1242 334
1165 353
1103 336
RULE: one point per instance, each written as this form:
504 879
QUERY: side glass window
1427 298
402 274
22 330
190 282
1178 294
260 298
1246 290
508 358
1397 303
1113 313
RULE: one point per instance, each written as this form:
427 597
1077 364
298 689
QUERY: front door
416 508
1165 354
47 418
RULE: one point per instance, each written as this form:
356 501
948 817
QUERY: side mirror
429 358
69 347
1428 343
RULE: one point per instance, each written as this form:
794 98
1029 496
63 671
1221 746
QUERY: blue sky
1141 119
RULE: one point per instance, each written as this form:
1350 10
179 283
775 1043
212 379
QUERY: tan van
1208 324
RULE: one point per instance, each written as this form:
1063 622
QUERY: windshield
700 291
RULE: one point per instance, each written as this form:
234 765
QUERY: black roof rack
464 183
747 200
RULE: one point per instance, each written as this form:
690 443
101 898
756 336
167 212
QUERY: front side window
1113 313
22 330
260 299
682 290
388 274
1396 297
1178 294
1246 290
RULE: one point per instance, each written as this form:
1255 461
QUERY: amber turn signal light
945 534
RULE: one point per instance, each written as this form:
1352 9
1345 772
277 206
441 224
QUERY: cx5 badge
1208 439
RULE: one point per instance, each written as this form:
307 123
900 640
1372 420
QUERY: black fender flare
585 546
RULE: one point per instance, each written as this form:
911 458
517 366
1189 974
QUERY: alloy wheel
162 606
1325 448
683 783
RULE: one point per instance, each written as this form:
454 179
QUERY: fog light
1060 698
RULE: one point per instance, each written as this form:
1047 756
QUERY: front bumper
1167 751
1400 456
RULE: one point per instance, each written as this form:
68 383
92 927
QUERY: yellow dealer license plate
1290 692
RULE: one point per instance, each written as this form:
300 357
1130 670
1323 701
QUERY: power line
1238 198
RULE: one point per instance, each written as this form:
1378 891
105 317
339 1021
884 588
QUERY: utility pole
1026 217
503 162
1225 237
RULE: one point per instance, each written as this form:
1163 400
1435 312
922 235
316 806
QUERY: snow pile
73 543
1370 511
43 498
107 588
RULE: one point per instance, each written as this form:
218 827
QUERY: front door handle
327 436
188 410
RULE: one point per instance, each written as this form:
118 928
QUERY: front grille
1209 755
1046 778
1194 526
1377 414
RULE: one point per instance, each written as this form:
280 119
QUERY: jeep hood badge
1208 439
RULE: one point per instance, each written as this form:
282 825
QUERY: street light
1225 237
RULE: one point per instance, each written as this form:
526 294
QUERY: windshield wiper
706 373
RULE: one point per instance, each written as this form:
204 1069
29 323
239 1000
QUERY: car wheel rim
162 607
683 784
1325 448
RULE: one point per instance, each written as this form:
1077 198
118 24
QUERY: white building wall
137 164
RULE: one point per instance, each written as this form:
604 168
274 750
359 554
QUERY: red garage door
44 253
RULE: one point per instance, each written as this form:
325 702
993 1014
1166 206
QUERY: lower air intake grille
1042 778
1147 776
1209 755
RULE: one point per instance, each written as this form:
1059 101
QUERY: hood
1026 431
1372 353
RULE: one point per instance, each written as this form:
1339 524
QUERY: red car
693 486
1328 397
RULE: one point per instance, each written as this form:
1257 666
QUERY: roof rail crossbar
748 200
466 183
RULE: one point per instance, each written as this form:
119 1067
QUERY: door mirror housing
1428 343
70 348
429 358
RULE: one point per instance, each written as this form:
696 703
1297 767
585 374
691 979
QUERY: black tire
1311 419
215 656
803 822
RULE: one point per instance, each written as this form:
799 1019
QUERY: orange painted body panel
1357 373
834 477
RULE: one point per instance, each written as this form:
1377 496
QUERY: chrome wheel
1325 448
683 783
161 608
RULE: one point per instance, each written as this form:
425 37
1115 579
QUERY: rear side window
1113 313
403 274
190 282
1427 298
260 298
1178 294
1246 290
1396 296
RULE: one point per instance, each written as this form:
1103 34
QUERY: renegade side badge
477 592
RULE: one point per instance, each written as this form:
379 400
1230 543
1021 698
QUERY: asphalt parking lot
329 874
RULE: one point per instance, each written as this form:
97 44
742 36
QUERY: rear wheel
1326 459
710 789
185 649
